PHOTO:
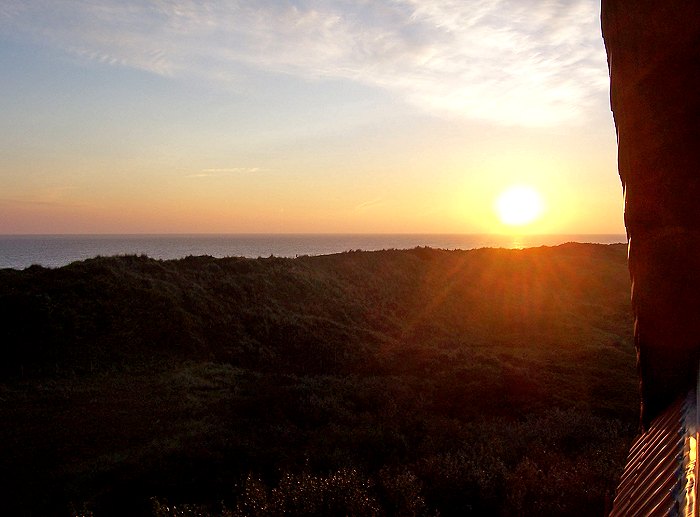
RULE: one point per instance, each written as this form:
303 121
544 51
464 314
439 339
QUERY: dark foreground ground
415 382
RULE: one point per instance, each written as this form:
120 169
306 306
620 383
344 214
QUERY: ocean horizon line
19 251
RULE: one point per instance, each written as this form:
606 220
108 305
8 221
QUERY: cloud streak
50 196
369 204
215 173
514 62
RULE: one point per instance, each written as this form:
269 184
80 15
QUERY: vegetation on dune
400 382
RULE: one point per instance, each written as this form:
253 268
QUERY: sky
310 116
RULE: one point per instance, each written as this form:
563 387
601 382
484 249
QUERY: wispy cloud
50 196
212 173
523 62
368 204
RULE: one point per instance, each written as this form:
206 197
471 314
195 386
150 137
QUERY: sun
519 205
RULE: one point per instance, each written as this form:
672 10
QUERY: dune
403 382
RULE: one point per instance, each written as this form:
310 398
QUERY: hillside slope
416 380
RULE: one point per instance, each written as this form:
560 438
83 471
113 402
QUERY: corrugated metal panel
660 476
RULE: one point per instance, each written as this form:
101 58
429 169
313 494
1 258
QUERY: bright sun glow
519 205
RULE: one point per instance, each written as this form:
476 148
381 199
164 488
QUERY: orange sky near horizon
303 117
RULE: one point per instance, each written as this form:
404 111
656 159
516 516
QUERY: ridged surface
656 476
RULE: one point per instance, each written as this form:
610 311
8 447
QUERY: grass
399 382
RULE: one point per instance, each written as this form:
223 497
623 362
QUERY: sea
22 251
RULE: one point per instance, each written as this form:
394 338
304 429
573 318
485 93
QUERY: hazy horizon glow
408 116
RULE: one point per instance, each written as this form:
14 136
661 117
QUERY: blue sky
407 115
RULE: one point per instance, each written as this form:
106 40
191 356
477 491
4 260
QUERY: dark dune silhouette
393 382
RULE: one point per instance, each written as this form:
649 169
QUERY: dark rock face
653 52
